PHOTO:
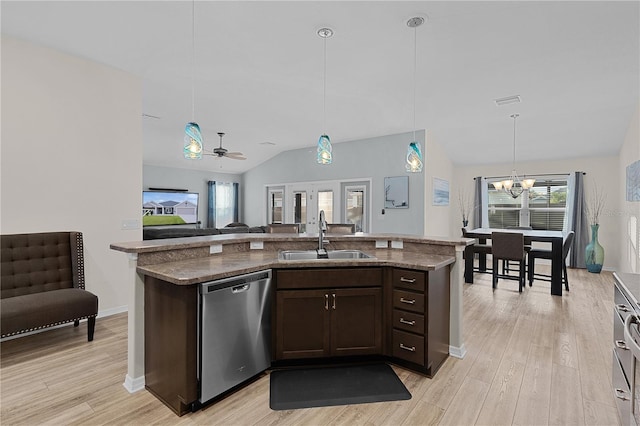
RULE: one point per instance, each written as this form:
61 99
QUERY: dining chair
508 246
546 254
283 228
341 228
478 248
505 263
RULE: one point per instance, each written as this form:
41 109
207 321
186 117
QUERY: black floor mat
325 386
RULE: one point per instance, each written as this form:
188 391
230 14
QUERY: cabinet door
302 324
356 321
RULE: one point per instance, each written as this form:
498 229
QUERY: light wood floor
533 359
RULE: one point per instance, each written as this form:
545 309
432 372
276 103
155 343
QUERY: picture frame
633 181
440 192
396 192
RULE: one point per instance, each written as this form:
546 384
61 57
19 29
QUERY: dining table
555 238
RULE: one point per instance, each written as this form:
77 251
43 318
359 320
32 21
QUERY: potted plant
594 252
464 204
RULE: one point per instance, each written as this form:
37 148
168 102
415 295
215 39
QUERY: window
541 207
223 204
300 209
325 202
276 204
355 206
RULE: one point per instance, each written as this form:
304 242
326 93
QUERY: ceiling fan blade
235 156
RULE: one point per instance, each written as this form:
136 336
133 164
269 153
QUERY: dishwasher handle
240 288
628 339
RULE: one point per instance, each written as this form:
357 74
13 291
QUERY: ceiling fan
222 152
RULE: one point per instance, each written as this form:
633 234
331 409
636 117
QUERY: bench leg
91 325
76 323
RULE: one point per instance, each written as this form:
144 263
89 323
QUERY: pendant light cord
515 116
324 90
415 65
193 60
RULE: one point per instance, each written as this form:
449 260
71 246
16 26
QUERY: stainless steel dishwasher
235 332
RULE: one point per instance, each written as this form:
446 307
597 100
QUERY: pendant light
508 185
414 153
193 138
324 143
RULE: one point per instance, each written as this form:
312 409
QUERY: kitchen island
185 262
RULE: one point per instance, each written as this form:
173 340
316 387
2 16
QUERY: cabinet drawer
621 392
412 280
328 278
408 321
622 306
408 301
409 347
620 347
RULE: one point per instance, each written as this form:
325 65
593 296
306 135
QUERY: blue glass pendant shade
414 158
192 142
324 150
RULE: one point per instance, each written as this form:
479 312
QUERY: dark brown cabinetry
328 312
170 343
419 313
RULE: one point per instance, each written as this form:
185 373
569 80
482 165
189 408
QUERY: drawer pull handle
408 301
623 308
334 301
406 348
621 394
620 344
326 302
404 321
407 280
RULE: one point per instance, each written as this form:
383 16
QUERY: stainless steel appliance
626 355
235 332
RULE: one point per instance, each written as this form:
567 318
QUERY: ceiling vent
508 100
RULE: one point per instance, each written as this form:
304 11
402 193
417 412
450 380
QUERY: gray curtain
477 202
578 223
211 204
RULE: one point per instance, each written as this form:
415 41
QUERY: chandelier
514 186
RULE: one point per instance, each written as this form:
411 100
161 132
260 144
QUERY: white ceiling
258 72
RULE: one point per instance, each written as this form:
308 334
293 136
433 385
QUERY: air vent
508 100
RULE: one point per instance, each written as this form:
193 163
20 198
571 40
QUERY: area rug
326 386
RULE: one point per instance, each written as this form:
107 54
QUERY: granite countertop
199 270
150 246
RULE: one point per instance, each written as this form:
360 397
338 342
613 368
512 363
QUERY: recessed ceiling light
508 100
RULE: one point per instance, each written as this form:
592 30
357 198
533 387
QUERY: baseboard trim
458 352
113 311
133 385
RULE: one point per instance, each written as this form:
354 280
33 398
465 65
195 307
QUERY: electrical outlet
215 248
397 244
256 245
130 224
382 244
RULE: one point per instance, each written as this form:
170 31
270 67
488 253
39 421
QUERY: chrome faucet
322 228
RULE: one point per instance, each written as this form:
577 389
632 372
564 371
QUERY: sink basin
313 255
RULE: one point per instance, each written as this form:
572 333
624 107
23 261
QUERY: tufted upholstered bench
43 283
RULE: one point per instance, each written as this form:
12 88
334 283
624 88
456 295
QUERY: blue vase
594 252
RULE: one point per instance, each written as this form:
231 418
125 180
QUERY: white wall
438 219
72 157
598 169
628 214
372 158
193 180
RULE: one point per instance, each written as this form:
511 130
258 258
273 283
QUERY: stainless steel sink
331 254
